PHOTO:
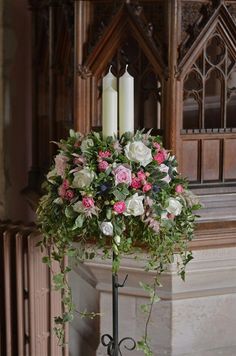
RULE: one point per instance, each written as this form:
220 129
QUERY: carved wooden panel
230 159
190 160
211 153
208 73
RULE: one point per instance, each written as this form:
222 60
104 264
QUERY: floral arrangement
118 196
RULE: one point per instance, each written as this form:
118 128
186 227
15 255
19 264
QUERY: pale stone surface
193 318
84 333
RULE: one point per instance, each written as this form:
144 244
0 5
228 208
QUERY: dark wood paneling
211 160
230 159
190 160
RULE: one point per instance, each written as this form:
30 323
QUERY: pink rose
61 164
88 202
103 165
179 188
160 157
122 175
104 154
69 194
147 187
136 183
119 207
141 175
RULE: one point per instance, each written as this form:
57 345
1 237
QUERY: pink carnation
69 194
147 187
65 184
62 191
156 145
104 154
88 202
122 175
160 157
141 175
136 183
61 164
154 225
103 165
179 188
77 144
119 207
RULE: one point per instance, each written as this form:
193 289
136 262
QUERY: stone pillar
193 318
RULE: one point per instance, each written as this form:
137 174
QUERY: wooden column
82 80
171 91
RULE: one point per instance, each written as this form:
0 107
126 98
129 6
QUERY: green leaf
119 195
145 308
97 135
69 212
108 213
58 280
79 222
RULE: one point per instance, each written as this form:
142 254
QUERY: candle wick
126 67
110 68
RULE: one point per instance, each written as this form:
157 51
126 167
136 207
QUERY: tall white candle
109 80
109 112
126 103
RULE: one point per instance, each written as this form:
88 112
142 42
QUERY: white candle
109 112
109 80
126 103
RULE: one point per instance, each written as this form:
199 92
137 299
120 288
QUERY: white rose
86 144
174 206
83 178
165 169
138 152
134 205
106 228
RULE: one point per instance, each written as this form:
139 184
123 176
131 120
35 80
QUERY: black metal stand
112 342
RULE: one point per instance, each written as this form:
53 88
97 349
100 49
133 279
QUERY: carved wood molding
127 20
214 235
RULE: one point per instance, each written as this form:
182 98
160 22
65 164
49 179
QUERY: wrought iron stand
112 342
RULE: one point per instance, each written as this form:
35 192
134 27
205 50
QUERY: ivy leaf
58 280
145 308
46 259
